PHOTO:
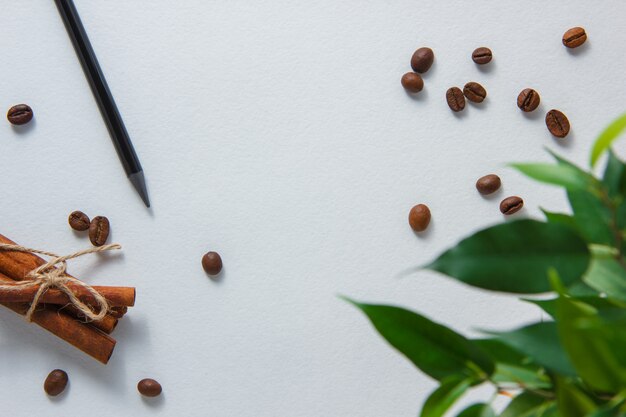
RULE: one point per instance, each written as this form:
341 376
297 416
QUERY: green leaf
519 375
443 397
594 347
515 257
607 137
593 218
601 304
615 176
501 352
561 218
608 276
571 400
566 176
525 404
540 341
477 410
432 347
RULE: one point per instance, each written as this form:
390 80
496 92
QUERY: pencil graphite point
139 182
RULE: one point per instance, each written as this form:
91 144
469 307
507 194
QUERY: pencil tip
139 182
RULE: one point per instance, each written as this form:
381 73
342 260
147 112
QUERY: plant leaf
443 397
615 176
540 341
572 401
567 176
477 410
525 404
561 218
520 376
591 344
608 276
607 137
515 257
432 347
593 219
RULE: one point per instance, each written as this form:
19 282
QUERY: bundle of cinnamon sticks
56 314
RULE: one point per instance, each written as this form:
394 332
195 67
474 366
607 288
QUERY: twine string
53 274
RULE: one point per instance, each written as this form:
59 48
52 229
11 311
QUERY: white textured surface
277 134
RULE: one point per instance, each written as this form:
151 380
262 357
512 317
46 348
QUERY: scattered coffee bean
455 99
212 263
149 388
488 184
78 221
482 55
528 100
557 123
422 60
412 82
20 114
99 230
419 217
511 205
574 37
474 92
56 382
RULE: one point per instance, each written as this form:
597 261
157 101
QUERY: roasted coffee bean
99 230
20 114
482 55
419 217
528 100
422 60
574 37
511 205
56 382
412 82
212 263
149 388
455 99
474 92
557 123
488 184
78 221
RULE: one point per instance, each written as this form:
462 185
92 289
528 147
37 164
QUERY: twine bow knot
53 274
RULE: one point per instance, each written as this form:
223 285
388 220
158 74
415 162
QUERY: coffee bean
511 205
55 383
20 114
488 184
474 92
78 221
557 123
99 230
212 263
482 55
574 37
419 217
455 99
412 82
528 100
422 60
149 388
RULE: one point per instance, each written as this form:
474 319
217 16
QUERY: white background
277 133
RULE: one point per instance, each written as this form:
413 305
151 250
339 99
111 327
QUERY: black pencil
111 115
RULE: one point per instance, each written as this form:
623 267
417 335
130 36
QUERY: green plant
571 366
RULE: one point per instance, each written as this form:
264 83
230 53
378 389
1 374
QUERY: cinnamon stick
115 296
86 338
106 325
16 265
